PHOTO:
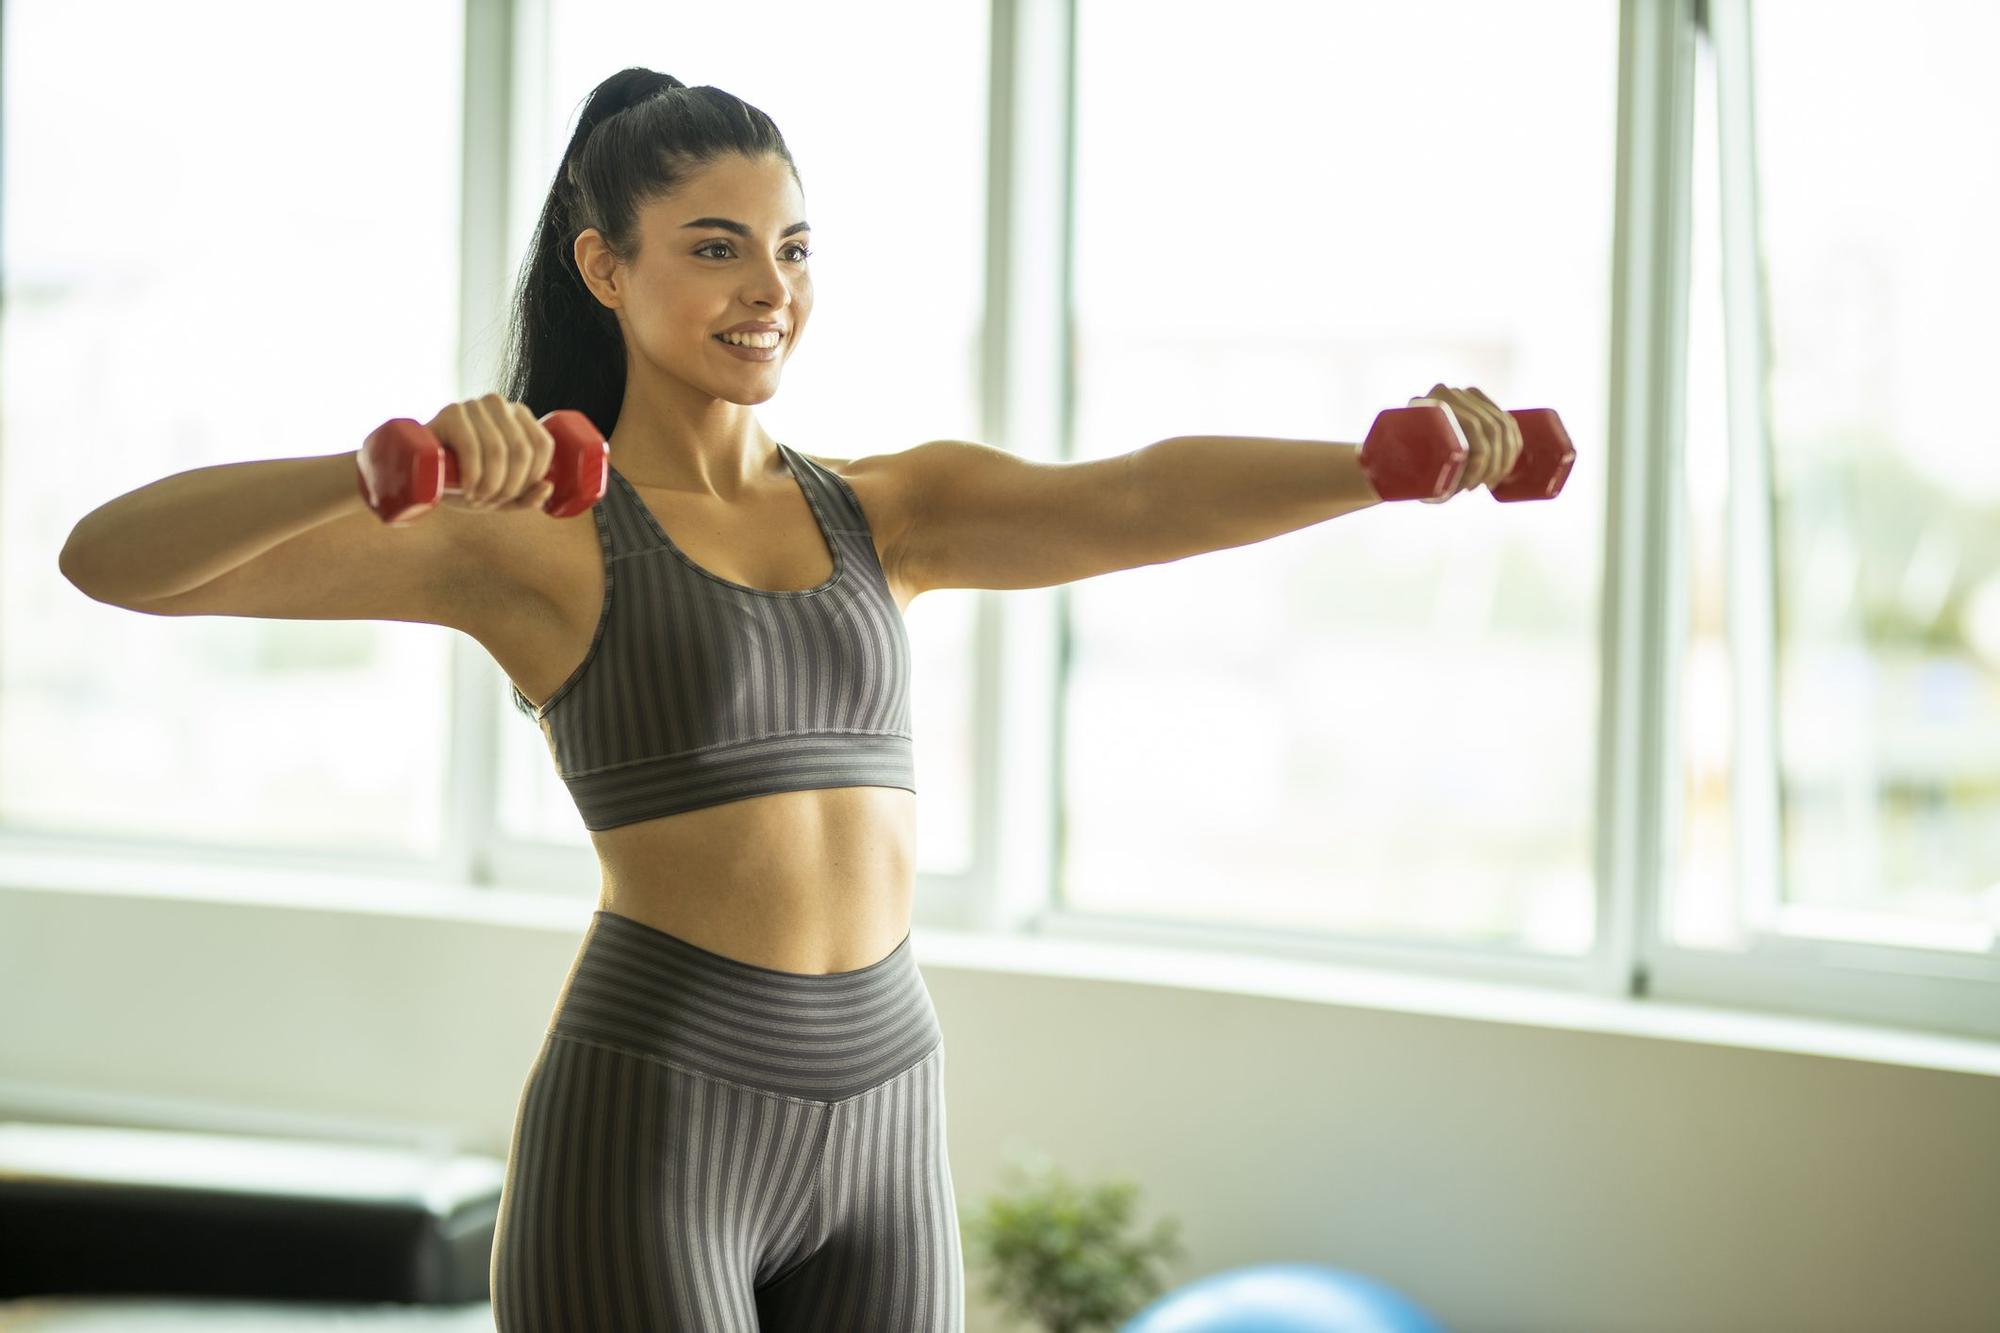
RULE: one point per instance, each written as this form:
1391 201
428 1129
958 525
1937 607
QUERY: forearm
181 531
1217 491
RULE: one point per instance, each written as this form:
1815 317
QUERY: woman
736 1119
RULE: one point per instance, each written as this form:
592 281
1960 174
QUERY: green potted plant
1058 1254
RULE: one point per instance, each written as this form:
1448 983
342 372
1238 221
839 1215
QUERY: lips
758 355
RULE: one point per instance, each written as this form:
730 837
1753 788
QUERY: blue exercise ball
1284 1298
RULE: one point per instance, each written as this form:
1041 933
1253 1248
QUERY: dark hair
640 135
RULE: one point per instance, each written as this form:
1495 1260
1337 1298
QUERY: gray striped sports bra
696 690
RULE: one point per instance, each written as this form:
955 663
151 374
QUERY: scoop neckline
819 520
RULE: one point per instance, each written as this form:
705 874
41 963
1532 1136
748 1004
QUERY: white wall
1509 1175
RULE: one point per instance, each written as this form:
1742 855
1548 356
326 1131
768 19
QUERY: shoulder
899 479
891 487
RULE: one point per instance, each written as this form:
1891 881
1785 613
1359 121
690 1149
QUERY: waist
817 1036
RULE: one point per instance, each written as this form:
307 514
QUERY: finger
1474 433
541 444
510 472
490 424
1511 453
1443 398
461 433
1465 428
523 442
1440 398
1491 433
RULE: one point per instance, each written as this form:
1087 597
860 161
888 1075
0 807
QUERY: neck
671 436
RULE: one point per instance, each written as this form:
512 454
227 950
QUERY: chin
736 394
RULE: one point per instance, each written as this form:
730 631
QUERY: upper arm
354 567
981 517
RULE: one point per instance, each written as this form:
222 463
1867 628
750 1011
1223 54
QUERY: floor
160 1314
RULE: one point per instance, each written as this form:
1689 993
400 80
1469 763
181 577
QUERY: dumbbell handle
402 468
1418 453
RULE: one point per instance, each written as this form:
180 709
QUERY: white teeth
751 339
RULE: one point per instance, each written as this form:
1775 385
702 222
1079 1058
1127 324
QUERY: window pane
1877 201
897 203
216 252
1385 724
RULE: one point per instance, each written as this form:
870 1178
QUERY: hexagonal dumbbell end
1414 453
1545 461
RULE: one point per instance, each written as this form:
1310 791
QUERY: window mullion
472 788
1640 648
1025 410
1750 562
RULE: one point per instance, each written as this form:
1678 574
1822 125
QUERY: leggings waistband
817 1036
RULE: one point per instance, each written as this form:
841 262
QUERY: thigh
890 1257
634 1200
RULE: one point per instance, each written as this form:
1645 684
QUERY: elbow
76 565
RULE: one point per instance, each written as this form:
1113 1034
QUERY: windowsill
1411 992
1043 955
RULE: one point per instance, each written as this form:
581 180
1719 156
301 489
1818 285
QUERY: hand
1492 436
503 454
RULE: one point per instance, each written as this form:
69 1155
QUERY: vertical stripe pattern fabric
705 1144
697 690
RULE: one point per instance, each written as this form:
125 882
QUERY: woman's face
690 282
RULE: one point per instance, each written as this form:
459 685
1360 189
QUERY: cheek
675 315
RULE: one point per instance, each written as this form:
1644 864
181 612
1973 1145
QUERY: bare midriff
798 881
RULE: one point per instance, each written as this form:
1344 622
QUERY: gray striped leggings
705 1144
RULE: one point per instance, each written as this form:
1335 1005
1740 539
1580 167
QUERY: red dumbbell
1418 453
403 469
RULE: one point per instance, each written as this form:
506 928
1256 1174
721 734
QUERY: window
1840 747
197 272
1288 218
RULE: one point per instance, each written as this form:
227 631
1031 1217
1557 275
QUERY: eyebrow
726 225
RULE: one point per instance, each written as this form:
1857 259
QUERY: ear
598 266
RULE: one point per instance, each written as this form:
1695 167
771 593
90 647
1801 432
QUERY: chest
730 555
772 542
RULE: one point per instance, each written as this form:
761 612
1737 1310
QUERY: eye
804 253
